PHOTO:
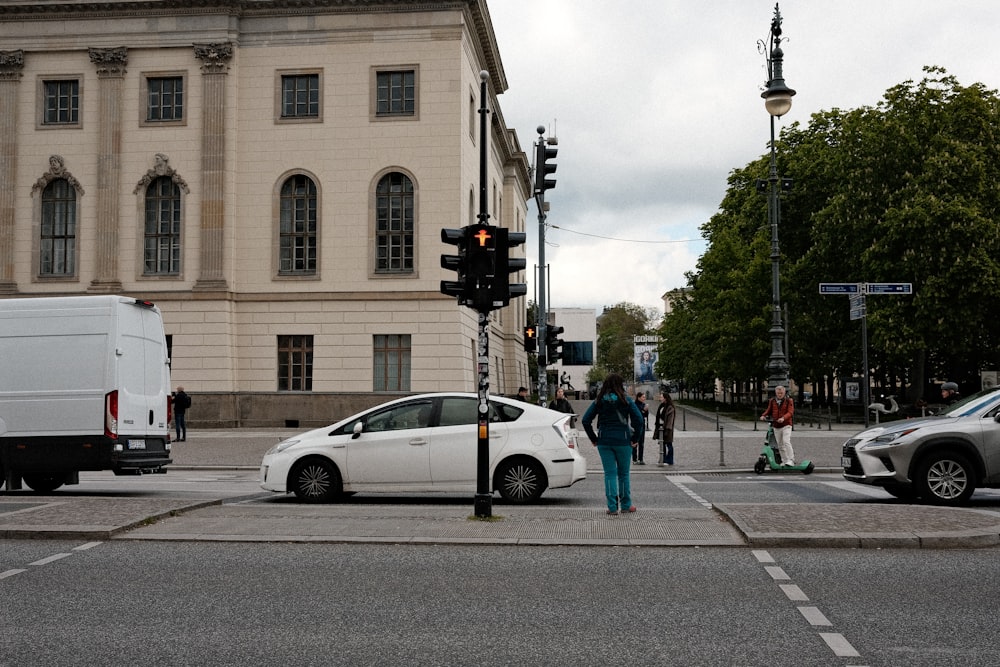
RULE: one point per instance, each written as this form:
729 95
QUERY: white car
429 442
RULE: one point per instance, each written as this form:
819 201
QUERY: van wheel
945 478
43 482
315 481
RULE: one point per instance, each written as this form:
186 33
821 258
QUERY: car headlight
887 438
281 446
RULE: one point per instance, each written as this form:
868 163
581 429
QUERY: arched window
57 251
297 227
394 224
162 247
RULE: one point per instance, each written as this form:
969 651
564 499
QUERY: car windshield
975 403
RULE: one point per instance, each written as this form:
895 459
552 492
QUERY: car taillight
111 414
566 432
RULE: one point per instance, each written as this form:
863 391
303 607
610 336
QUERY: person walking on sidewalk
781 409
663 429
637 451
181 404
618 424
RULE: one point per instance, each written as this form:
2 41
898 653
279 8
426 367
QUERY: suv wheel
946 478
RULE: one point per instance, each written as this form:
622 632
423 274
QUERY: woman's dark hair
666 396
613 384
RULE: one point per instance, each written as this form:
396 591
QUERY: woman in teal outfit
618 424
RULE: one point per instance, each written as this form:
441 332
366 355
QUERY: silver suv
939 460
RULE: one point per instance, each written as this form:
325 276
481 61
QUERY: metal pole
864 365
543 310
483 503
722 447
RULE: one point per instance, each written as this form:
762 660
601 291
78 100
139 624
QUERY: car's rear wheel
315 481
43 482
946 478
520 481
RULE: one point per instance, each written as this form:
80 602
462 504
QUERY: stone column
11 66
214 68
110 65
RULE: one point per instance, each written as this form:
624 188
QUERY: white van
84 385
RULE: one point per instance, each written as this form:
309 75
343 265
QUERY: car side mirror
357 430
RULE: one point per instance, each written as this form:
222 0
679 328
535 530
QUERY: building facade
275 176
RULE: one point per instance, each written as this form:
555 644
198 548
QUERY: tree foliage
616 327
905 191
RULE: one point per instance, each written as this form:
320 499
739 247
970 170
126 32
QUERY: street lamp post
777 100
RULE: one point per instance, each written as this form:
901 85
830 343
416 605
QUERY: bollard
717 426
722 448
684 420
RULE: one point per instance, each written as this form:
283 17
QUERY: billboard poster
645 358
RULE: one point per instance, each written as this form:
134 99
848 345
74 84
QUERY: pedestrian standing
181 404
522 394
780 409
637 452
663 429
618 424
560 403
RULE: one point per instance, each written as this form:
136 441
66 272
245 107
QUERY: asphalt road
102 603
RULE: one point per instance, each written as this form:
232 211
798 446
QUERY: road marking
10 573
762 556
88 545
814 616
53 557
860 489
794 593
679 483
776 572
840 646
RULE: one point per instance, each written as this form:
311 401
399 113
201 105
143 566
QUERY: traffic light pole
542 169
483 502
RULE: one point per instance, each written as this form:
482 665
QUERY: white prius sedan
429 442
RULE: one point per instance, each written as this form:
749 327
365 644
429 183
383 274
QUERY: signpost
859 311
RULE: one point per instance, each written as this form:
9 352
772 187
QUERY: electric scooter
770 458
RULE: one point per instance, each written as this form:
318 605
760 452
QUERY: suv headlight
886 439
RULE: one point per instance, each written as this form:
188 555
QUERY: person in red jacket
781 409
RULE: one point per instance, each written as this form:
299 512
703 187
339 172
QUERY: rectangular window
295 363
578 353
300 96
164 98
57 241
396 93
392 362
61 102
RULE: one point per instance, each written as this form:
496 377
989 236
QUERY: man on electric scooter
780 409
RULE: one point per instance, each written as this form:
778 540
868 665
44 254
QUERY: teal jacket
618 422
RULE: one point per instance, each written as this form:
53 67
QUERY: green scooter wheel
759 466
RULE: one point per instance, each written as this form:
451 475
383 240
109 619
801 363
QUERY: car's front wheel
946 478
315 481
520 481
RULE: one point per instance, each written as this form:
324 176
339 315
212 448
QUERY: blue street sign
839 288
888 288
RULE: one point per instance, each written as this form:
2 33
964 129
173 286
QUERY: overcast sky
655 102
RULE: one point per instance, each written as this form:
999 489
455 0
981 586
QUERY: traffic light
553 344
544 153
456 288
503 291
475 264
530 339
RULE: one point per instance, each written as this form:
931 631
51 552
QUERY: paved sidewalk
735 449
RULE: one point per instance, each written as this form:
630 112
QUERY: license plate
845 461
136 444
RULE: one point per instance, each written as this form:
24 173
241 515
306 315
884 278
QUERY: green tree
616 327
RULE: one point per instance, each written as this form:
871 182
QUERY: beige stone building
275 175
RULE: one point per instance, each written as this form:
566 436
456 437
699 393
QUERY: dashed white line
49 559
840 646
776 572
814 616
794 593
88 545
679 480
762 556
10 573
